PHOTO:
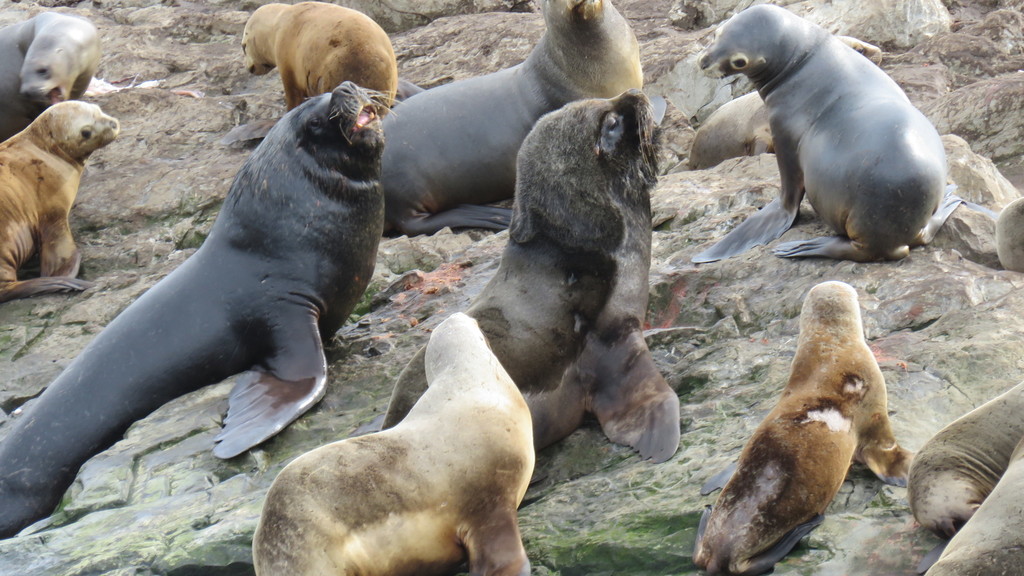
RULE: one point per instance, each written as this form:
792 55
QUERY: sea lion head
76 128
581 167
258 38
761 42
831 307
46 75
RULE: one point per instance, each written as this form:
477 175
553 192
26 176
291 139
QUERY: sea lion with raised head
454 146
288 257
832 411
316 46
46 59
564 312
40 170
439 489
871 164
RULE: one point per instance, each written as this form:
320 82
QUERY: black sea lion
564 311
832 411
437 490
46 59
992 541
872 165
316 46
289 255
40 168
455 145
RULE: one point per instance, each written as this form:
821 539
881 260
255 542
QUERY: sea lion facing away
288 257
564 311
439 489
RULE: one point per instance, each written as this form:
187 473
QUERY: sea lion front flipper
931 557
495 546
262 403
702 526
411 384
461 216
36 286
719 480
760 228
764 561
256 130
949 203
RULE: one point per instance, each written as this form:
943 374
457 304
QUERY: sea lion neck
768 79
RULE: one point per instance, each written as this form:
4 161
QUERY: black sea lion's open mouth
356 109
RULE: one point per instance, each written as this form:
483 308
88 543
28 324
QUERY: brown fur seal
316 46
564 311
454 146
832 411
1010 236
740 127
289 255
46 59
992 542
40 168
872 166
956 470
421 498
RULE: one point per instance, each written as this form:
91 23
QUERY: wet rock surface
944 323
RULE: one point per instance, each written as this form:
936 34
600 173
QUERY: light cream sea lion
439 489
832 411
992 541
46 59
40 169
317 46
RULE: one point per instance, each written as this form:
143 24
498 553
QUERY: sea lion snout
354 107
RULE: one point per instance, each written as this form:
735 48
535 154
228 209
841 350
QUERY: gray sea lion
992 541
454 146
440 488
46 59
956 470
872 166
740 127
316 46
1010 236
832 411
564 312
40 169
288 257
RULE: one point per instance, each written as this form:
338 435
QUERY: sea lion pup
287 259
564 311
956 470
316 46
872 165
40 169
1010 236
421 498
832 411
992 541
740 127
46 59
454 146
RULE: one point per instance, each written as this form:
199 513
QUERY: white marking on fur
831 417
853 385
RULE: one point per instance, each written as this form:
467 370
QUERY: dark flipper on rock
37 286
766 225
257 130
931 557
462 216
764 561
949 203
718 481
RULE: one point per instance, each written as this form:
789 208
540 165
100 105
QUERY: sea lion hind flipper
931 557
264 401
837 247
760 228
949 203
495 546
702 526
461 216
45 285
764 561
256 130
719 480
411 384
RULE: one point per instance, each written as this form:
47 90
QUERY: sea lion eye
738 62
44 72
86 133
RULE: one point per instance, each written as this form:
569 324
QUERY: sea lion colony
614 130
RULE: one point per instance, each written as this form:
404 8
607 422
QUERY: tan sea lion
871 164
439 489
564 312
992 541
316 46
454 146
832 411
1010 236
40 168
956 470
740 127
46 59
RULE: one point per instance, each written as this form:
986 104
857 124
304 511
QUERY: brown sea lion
439 489
40 168
871 164
454 146
832 411
46 59
565 310
316 46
